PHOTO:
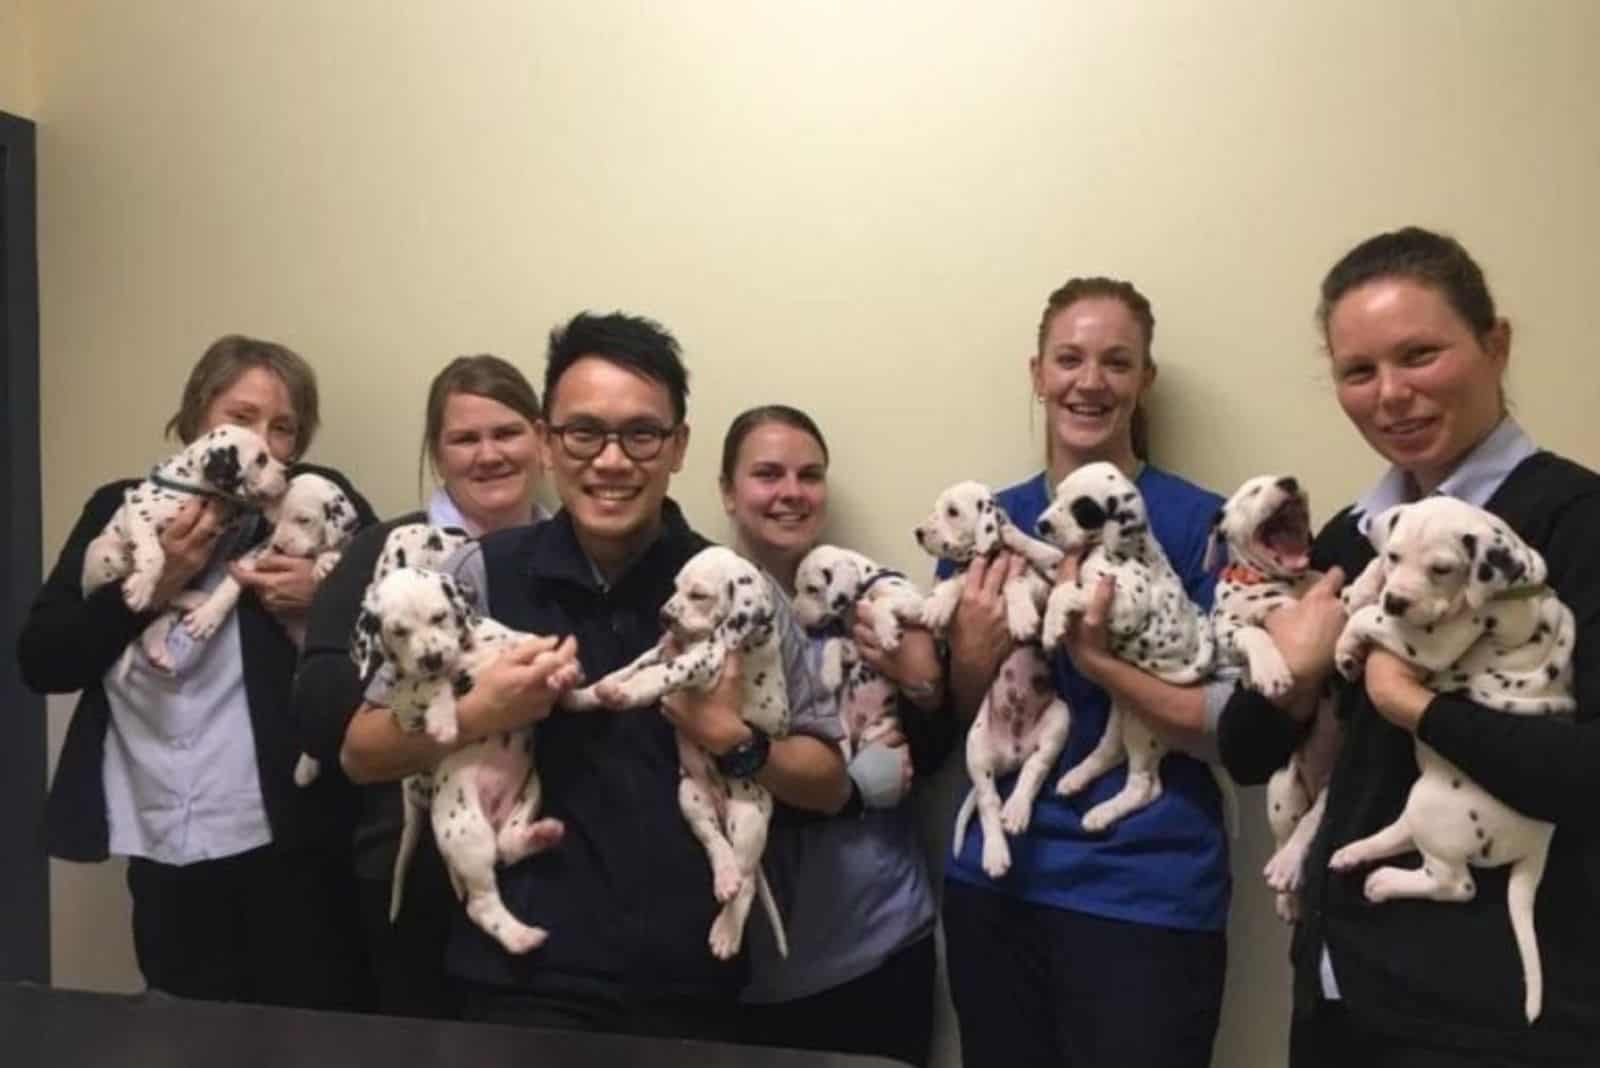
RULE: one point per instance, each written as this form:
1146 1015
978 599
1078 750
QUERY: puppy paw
203 623
138 589
440 723
1347 859
306 770
517 840
996 856
1023 625
1016 814
521 939
1270 680
727 933
726 881
1385 883
1284 869
1072 782
583 700
1100 817
324 566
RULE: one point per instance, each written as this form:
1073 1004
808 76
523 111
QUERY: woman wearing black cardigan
239 879
478 438
1418 359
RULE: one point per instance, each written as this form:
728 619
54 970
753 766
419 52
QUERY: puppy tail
1521 888
770 904
963 817
402 858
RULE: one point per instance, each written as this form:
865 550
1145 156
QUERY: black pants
271 925
407 956
1330 1037
1038 986
673 1018
886 1013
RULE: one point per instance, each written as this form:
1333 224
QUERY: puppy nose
1045 527
431 661
1395 606
666 617
1290 485
920 535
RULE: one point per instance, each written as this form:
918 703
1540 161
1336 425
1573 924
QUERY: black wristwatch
746 758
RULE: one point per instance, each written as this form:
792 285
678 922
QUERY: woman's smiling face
778 498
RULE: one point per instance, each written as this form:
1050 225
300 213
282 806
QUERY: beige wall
16 58
856 207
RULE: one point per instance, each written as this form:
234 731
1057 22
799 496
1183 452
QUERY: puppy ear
366 643
338 514
748 622
1216 542
989 520
1382 525
1500 561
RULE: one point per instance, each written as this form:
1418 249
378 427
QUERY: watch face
747 758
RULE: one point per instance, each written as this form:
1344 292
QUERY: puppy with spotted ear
415 545
1021 724
230 463
1263 535
1098 512
967 524
1454 591
722 603
830 583
484 797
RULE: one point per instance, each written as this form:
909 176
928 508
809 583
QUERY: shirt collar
567 561
1474 480
443 512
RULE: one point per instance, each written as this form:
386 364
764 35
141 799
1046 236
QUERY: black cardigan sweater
68 643
328 692
1448 974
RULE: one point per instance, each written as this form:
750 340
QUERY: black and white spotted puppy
229 463
483 798
1263 536
1455 591
1022 723
1153 624
831 583
416 545
722 603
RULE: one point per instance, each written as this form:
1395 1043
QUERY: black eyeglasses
584 439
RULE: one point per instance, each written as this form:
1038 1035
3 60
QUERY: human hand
710 718
187 546
1306 633
520 687
283 584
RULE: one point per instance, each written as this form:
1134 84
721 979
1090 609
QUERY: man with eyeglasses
627 895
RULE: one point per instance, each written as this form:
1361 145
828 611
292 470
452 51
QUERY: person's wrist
742 759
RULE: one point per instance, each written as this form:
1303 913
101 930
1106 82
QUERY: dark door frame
24 870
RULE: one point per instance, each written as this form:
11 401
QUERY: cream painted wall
16 58
855 207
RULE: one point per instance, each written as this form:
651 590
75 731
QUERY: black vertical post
24 871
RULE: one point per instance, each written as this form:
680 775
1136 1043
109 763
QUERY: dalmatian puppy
416 545
1263 535
722 603
229 463
829 584
967 524
1153 624
1021 724
1454 591
483 798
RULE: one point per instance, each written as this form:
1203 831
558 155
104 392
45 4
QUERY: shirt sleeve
811 710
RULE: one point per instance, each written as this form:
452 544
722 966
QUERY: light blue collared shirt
180 770
1474 480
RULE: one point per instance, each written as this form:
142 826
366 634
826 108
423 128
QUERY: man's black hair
641 345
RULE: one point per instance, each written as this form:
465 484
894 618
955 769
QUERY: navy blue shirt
627 894
1165 865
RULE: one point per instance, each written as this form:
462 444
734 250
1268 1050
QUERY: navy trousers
1040 987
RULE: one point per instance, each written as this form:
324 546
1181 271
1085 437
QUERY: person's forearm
377 749
1176 713
806 772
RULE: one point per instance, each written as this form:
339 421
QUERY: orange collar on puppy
1240 575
